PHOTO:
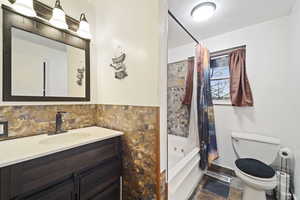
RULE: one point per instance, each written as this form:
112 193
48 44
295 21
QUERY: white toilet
255 153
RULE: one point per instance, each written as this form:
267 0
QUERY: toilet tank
255 146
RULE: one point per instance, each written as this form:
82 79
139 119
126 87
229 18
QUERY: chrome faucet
59 123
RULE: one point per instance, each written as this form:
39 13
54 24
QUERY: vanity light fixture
58 16
84 27
24 7
203 11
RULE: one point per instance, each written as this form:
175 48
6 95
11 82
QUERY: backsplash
140 144
140 147
38 119
178 114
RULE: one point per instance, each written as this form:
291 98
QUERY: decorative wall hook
119 65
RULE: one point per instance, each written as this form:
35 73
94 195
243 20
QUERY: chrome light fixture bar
203 11
24 7
84 27
58 16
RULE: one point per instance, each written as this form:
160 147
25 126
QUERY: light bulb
84 27
58 17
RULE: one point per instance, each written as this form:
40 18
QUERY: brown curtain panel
189 83
240 90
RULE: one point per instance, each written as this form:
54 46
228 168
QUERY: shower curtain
202 123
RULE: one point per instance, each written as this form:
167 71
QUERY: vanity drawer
94 181
40 173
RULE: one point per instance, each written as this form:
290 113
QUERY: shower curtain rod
182 26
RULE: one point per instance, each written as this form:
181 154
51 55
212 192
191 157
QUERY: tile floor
235 191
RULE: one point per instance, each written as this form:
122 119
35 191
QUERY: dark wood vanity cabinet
90 172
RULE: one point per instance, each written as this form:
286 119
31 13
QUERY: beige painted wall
133 25
74 10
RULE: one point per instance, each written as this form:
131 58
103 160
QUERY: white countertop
24 149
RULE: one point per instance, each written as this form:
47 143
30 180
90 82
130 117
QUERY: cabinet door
111 193
40 173
96 180
63 191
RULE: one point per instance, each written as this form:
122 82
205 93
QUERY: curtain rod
223 52
182 26
226 51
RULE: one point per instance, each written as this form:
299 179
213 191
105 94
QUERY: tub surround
178 114
140 144
184 173
42 145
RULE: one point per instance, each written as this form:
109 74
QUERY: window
220 79
220 76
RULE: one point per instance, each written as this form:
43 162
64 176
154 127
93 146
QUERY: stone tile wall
39 119
140 147
178 114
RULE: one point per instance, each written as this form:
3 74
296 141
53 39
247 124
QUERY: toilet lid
255 168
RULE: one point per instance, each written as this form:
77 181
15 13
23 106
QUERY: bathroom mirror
43 63
43 67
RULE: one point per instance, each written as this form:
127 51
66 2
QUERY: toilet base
252 193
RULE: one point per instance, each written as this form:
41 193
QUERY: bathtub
184 173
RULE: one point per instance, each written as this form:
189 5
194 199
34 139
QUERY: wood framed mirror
42 62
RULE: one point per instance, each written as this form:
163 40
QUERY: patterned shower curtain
199 100
205 110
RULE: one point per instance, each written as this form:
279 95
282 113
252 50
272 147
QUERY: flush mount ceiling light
203 11
84 27
25 7
58 16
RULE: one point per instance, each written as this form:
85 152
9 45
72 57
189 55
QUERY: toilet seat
254 181
255 168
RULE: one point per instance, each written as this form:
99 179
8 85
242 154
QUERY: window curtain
198 97
240 91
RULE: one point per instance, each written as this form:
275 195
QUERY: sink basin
64 138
